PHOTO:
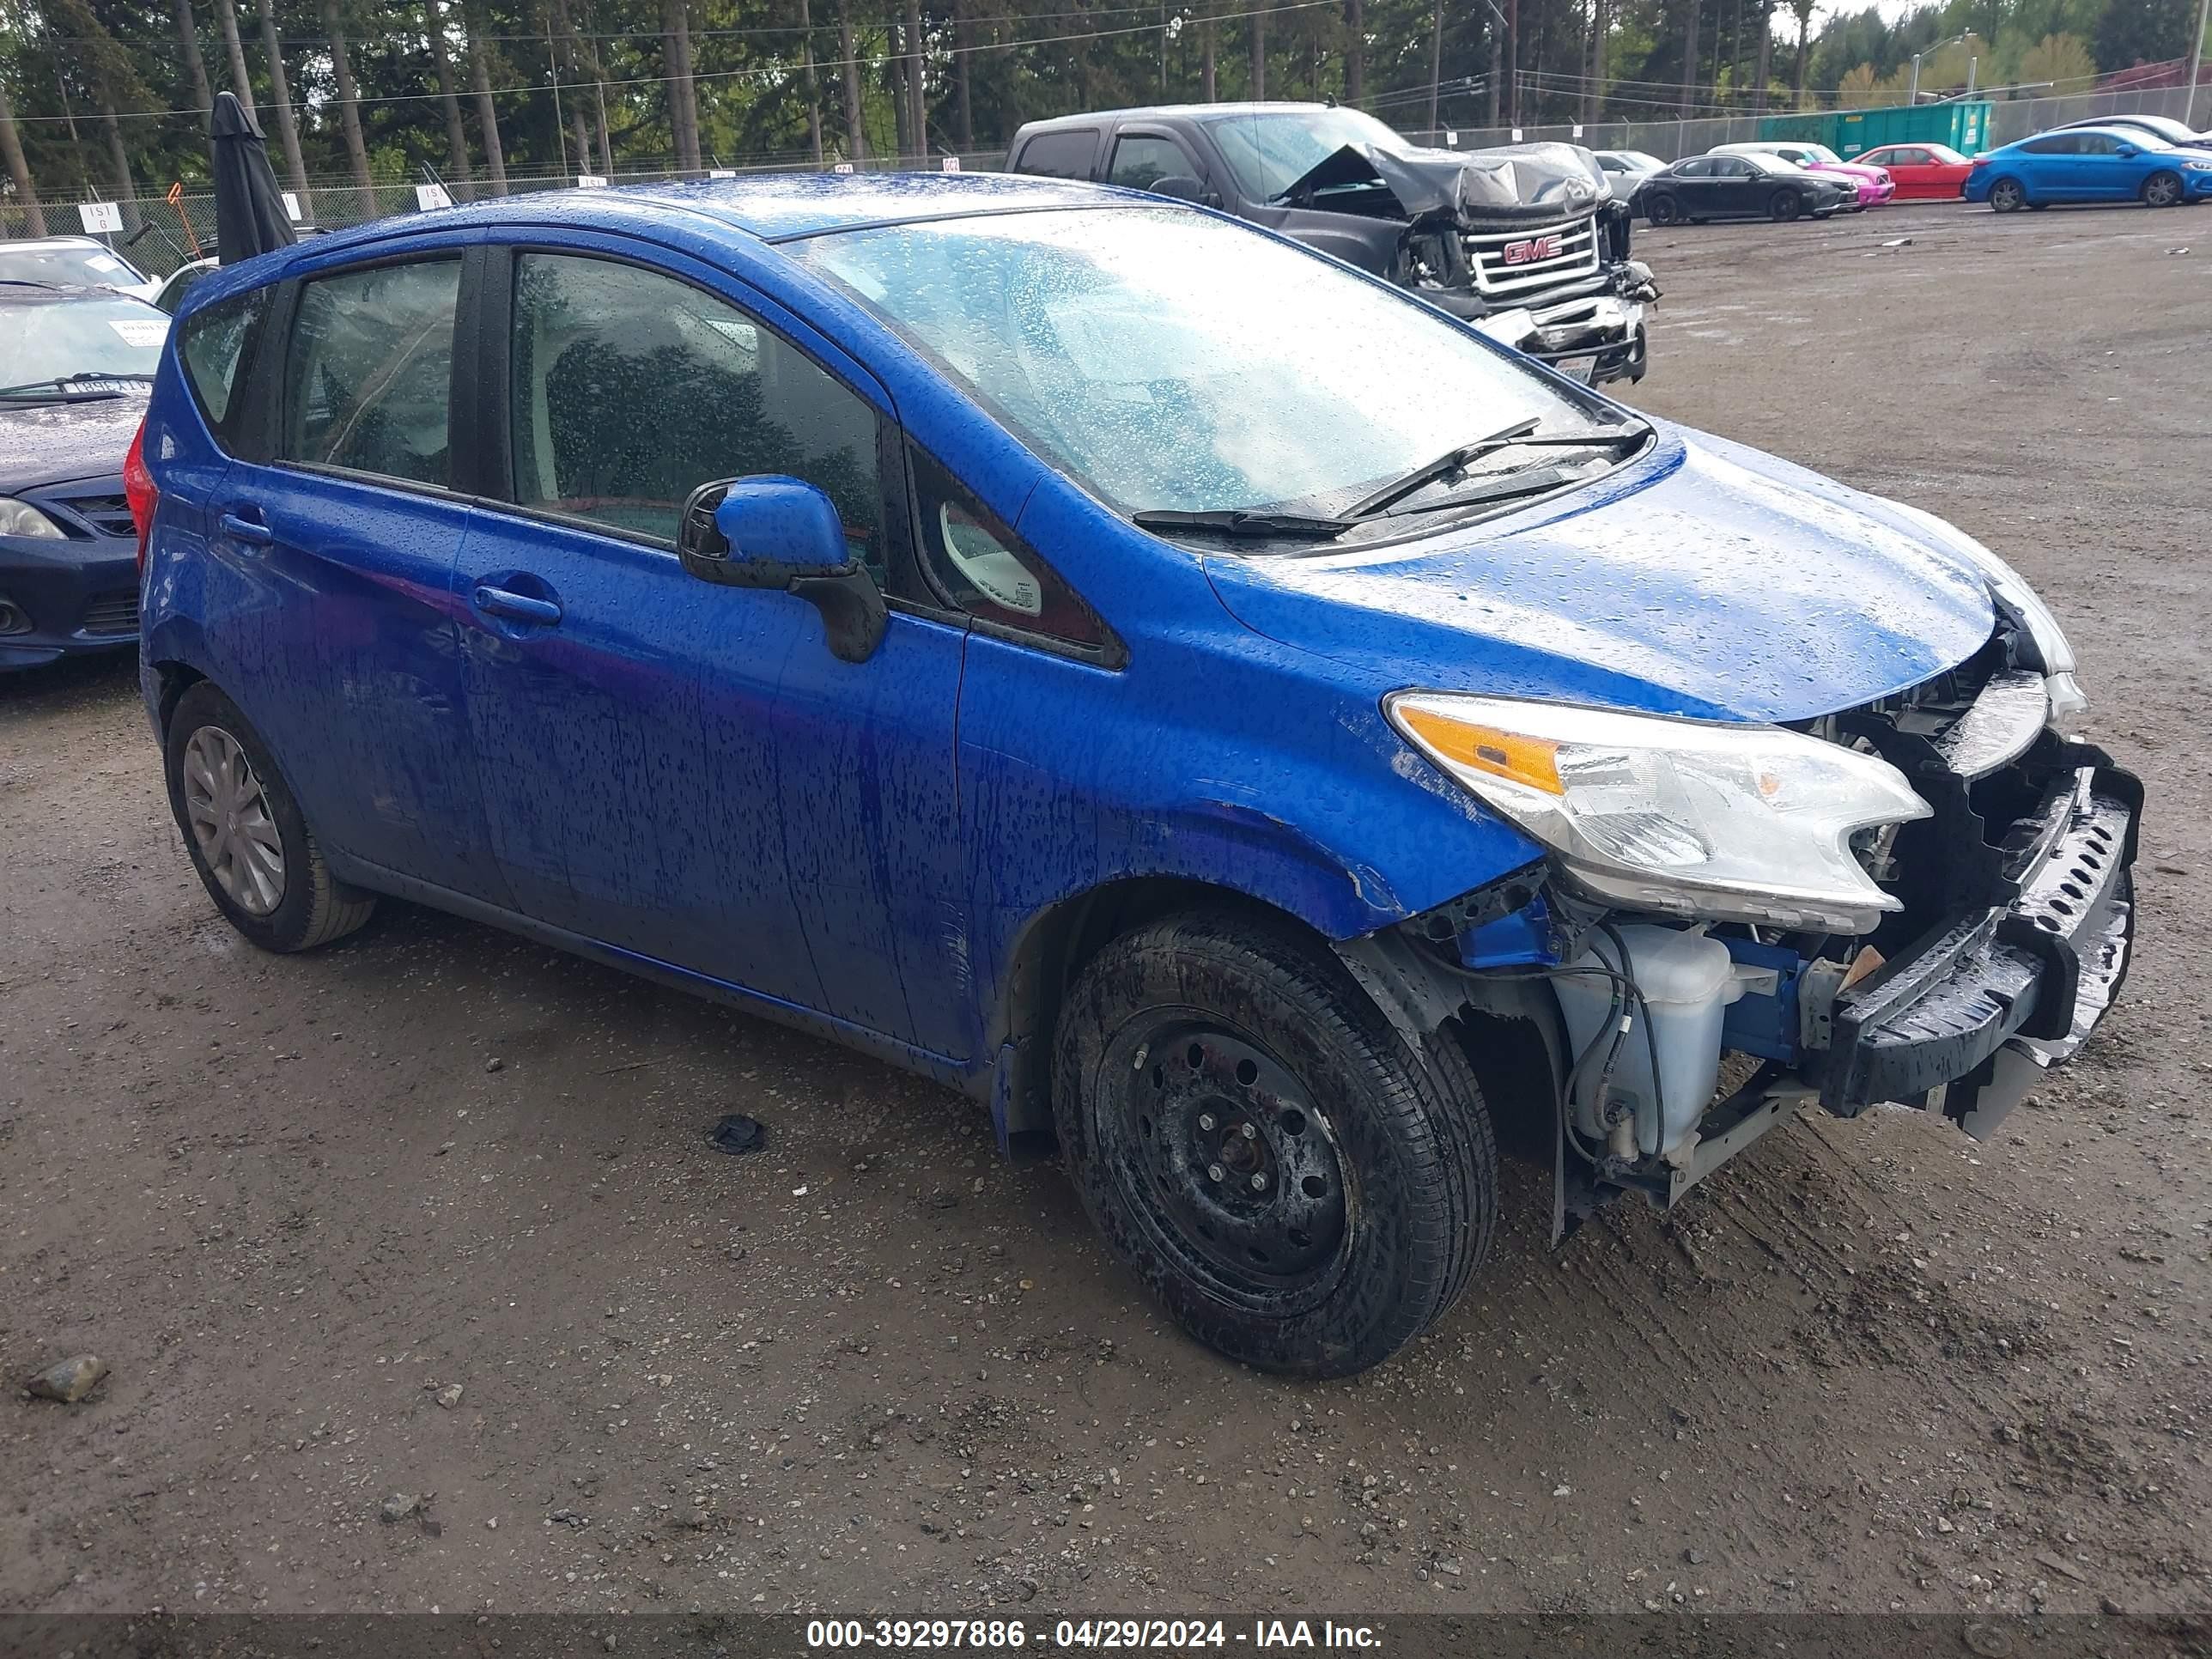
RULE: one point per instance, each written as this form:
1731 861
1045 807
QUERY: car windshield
1168 361
1766 163
70 265
1638 160
1271 151
93 337
1821 153
1944 155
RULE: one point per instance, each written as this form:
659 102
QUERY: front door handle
247 530
521 607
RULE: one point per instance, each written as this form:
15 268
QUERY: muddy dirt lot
432 1211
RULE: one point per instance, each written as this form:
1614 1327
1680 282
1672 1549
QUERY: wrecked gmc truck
1529 242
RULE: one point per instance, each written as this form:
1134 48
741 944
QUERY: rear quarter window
213 344
1068 153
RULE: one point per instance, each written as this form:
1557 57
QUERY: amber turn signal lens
1532 762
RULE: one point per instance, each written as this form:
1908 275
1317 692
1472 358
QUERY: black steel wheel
1660 209
2007 197
1784 207
1300 1189
2162 190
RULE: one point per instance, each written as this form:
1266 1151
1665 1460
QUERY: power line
765 71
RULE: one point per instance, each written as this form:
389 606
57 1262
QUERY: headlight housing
2022 606
22 518
1683 817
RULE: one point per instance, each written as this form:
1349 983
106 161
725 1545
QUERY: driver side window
630 389
1139 163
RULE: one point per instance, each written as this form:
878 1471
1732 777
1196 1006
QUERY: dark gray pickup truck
1529 242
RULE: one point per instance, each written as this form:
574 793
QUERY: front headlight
22 518
2022 606
1683 817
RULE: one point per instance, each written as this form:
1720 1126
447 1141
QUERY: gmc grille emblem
1535 248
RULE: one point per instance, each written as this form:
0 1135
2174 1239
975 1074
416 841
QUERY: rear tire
245 833
1255 1142
2005 196
1784 207
2162 190
1663 209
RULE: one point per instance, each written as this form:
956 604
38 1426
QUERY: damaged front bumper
2015 939
1968 1020
1595 339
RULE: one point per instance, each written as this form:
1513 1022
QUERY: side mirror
783 534
1181 187
2125 151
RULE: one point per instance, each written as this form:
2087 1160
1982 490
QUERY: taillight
139 491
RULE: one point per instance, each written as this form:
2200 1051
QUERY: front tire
2007 197
245 833
1254 1141
1784 207
2162 190
1663 211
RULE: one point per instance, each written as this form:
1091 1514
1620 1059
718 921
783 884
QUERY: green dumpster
1849 132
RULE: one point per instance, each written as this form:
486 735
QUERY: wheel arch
1054 946
172 679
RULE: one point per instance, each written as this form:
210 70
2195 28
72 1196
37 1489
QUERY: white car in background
73 262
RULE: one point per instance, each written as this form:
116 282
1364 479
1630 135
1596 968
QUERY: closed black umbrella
249 211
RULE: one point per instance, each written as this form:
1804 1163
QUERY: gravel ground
432 1213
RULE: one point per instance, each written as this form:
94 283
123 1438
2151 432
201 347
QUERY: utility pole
1912 98
2196 61
1973 68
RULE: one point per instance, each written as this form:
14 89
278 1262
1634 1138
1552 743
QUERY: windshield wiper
86 388
1521 435
1238 522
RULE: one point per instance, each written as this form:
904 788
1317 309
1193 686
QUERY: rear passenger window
370 372
631 389
214 342
1067 154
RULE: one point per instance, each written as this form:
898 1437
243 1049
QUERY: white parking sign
104 216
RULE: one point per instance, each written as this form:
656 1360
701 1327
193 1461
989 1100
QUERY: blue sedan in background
2090 164
1182 691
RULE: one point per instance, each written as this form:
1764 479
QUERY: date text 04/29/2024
1125 1634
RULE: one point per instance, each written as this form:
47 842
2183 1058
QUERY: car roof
1165 112
773 207
2129 134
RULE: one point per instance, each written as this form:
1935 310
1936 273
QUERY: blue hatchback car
1184 692
2090 164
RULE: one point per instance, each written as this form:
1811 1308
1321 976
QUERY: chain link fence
160 234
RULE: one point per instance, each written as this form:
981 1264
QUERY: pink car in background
1874 185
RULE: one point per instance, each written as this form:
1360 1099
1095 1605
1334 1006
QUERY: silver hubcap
231 821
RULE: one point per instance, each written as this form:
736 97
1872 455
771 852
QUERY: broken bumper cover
1600 337
1968 1021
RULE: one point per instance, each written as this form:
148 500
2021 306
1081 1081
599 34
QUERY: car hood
1702 578
49 443
1515 181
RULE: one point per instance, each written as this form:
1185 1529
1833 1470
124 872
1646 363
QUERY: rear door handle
247 530
500 602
